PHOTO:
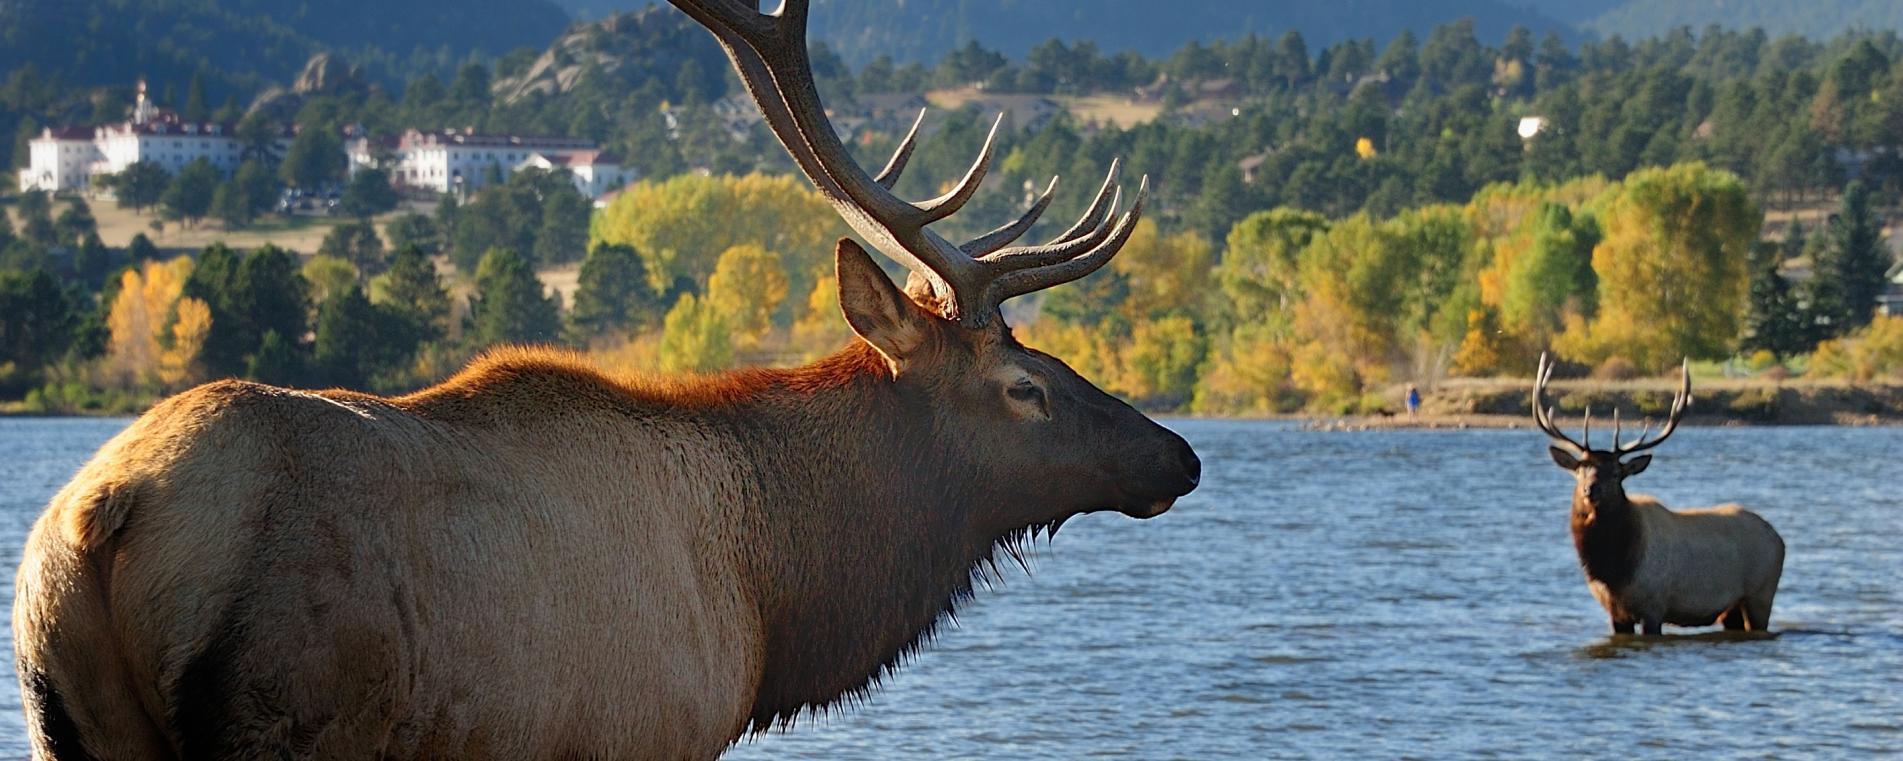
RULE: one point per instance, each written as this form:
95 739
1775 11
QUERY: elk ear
875 308
1564 458
1637 465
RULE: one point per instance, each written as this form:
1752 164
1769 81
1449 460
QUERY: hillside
923 30
1817 19
239 43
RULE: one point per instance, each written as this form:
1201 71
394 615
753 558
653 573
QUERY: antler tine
1028 257
1017 282
954 199
1615 427
889 176
1681 401
1585 430
1542 414
1100 207
1001 237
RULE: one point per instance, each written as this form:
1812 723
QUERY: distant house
1890 302
596 173
737 113
1531 126
463 161
1250 165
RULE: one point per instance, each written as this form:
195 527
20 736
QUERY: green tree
368 194
1774 323
613 294
36 219
277 361
357 341
189 196
1555 274
414 230
413 290
329 277
39 320
195 109
694 338
92 261
258 140
356 243
682 225
248 295
228 204
1261 262
745 290
316 159
1851 276
256 187
75 222
1672 268
563 236
140 249
141 185
509 305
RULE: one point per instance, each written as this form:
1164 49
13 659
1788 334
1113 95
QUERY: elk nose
1192 466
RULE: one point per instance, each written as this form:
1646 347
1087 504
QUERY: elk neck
862 526
1606 534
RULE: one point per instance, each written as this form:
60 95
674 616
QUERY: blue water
1374 594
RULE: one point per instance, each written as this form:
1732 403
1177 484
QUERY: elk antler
1681 401
969 280
1542 414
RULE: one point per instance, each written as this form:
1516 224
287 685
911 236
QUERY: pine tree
357 340
1774 322
413 290
613 293
1858 260
510 306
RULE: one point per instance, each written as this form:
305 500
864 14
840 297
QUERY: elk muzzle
1169 470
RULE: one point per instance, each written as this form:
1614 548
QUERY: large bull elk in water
537 560
1650 566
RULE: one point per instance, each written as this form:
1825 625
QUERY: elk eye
1027 392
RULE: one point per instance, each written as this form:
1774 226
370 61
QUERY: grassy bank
1506 403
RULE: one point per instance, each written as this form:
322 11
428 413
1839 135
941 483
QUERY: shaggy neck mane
1607 537
857 518
865 525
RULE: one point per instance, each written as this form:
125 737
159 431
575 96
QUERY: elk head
1600 473
1004 414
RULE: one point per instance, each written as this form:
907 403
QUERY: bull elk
536 560
1650 566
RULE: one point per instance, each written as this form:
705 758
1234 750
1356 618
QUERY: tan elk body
1648 565
535 560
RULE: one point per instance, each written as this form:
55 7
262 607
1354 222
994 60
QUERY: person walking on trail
1413 400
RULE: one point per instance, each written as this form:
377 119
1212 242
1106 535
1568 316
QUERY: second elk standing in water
1652 566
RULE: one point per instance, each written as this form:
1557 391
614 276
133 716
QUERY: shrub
1760 404
1616 369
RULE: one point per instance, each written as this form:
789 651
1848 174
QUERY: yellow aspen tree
178 365
745 289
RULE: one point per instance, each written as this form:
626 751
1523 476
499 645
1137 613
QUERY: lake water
1384 594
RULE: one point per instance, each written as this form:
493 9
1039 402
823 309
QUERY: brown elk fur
537 560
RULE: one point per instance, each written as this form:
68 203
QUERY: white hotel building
68 158
462 161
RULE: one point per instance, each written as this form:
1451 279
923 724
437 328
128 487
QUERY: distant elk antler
1543 415
968 281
